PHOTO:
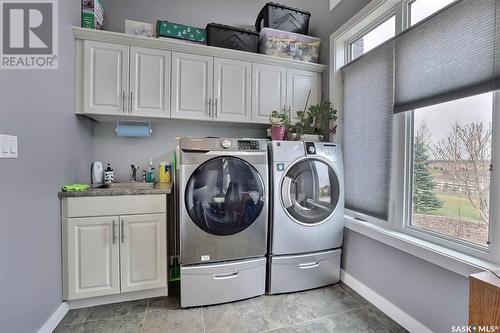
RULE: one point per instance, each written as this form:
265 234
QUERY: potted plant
279 123
313 122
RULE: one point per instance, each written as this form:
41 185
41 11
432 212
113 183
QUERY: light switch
5 144
13 146
8 146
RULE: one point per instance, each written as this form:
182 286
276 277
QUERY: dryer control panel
310 148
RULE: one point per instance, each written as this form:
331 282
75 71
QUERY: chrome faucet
134 173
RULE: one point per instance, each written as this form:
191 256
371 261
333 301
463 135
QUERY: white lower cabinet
93 257
123 251
142 252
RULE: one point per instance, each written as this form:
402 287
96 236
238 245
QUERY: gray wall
434 296
122 152
240 13
54 149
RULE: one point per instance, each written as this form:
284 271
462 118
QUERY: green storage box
180 31
92 14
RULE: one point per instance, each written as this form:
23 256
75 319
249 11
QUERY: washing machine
307 217
223 212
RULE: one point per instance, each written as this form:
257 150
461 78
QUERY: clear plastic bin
289 45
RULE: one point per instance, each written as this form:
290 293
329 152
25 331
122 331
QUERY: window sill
452 260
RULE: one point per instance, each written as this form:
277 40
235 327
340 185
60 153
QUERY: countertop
160 188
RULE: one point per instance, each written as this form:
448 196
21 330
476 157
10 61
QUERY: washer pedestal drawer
222 282
306 271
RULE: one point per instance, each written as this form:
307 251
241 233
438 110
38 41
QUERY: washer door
224 196
310 191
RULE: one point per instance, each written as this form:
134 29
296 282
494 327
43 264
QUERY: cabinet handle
210 107
114 234
215 108
123 101
131 101
122 231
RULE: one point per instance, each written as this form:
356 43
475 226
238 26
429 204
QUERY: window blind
497 46
368 86
448 56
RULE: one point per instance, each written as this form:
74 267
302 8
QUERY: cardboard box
92 14
139 28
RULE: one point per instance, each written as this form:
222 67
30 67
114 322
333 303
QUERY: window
374 37
451 168
443 134
420 9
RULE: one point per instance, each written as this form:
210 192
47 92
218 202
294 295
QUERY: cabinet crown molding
182 46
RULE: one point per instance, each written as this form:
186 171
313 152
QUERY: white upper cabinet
106 80
121 76
268 91
93 257
232 90
299 83
192 86
143 252
149 82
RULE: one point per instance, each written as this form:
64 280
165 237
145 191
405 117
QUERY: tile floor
335 308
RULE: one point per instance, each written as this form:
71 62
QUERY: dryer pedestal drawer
306 271
222 282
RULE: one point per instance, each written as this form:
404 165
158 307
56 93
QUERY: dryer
223 211
307 215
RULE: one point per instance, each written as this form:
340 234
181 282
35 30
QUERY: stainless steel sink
127 185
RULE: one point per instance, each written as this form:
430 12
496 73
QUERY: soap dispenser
151 174
109 175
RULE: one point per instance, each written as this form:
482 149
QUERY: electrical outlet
8 146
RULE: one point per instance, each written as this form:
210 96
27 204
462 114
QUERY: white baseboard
390 309
121 297
54 319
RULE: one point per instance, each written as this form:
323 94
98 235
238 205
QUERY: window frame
400 207
369 28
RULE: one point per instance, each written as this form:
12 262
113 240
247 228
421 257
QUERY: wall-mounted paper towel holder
133 129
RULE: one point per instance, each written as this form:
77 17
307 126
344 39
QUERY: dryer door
224 196
310 191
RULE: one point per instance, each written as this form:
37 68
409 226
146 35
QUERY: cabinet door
192 86
299 83
232 90
93 257
268 91
150 82
106 69
143 252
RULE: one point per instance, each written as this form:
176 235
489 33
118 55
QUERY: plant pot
291 136
277 133
311 137
304 137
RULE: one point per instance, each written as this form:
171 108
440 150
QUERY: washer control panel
248 145
226 144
